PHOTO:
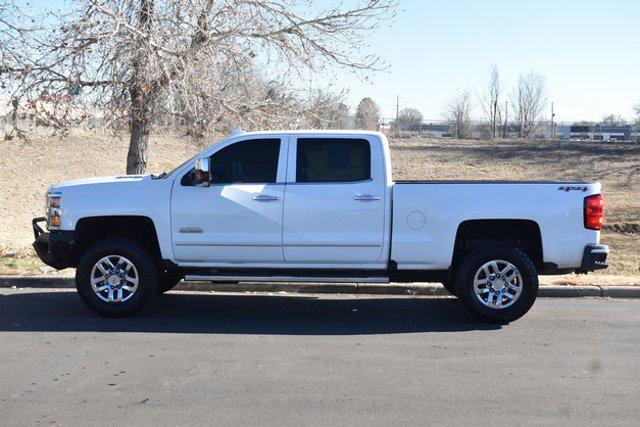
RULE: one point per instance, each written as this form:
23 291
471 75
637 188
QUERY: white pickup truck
316 206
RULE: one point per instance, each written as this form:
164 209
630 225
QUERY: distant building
435 129
512 131
563 131
438 130
594 132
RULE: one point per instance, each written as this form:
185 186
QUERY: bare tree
367 115
410 118
490 100
329 111
529 102
458 115
12 32
237 95
614 119
12 35
635 126
134 61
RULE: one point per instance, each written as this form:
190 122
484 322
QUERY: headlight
53 211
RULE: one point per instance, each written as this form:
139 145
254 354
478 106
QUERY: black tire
136 254
167 281
475 260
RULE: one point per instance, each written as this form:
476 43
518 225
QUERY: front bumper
594 258
56 249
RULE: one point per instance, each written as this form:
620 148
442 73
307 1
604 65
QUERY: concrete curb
430 289
36 282
568 291
621 291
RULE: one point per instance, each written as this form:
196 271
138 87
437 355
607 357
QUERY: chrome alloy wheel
497 284
114 279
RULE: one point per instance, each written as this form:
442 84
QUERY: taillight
593 212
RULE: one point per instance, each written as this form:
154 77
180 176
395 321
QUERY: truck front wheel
497 283
115 277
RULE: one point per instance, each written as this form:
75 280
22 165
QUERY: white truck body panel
558 213
321 225
230 226
224 224
325 224
119 196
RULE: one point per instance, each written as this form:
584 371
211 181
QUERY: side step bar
298 279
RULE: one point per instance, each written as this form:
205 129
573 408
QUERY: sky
588 51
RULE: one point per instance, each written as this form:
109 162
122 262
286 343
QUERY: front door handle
265 198
366 197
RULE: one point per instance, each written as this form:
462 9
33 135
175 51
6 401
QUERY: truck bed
427 214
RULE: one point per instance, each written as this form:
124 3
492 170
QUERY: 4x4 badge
569 188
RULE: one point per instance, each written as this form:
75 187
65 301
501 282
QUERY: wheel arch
142 229
524 234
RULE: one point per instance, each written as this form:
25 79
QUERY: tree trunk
494 121
140 130
14 113
141 100
138 145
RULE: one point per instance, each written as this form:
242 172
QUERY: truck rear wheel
115 277
497 283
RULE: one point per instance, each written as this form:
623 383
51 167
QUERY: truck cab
316 206
291 201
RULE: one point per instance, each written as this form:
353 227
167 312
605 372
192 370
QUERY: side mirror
202 174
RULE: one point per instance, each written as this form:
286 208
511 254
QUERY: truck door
238 218
334 211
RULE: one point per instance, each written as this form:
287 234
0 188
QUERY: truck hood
99 180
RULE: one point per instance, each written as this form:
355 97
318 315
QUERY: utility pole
553 128
397 113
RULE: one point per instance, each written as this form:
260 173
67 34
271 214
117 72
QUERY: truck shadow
56 311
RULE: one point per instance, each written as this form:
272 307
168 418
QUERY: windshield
168 174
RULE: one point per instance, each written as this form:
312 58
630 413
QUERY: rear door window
333 160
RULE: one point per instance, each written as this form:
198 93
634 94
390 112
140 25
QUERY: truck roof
309 132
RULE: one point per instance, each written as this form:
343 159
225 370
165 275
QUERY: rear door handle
265 198
366 197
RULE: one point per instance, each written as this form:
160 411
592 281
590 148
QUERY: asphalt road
280 360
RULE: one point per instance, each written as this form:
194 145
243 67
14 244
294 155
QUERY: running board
297 279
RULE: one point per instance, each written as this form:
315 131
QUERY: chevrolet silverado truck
315 206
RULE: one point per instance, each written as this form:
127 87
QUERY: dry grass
617 166
26 170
